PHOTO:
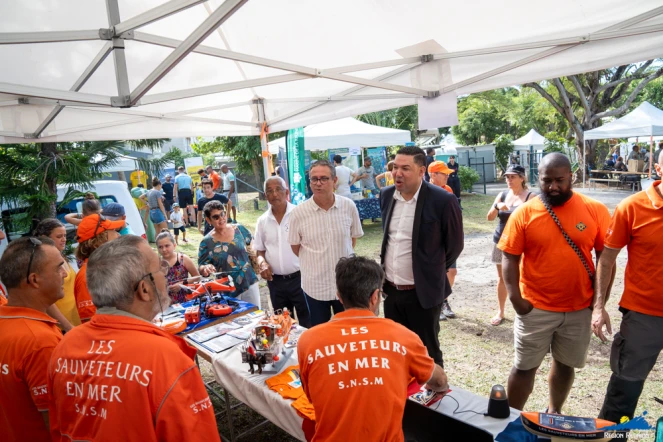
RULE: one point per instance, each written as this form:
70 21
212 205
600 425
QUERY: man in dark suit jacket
423 236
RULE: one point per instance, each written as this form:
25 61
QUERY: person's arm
44 415
56 314
175 191
205 265
511 277
73 218
163 209
492 213
143 197
232 187
452 230
200 220
378 179
190 266
295 248
605 276
438 382
263 265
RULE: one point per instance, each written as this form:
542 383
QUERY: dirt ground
478 355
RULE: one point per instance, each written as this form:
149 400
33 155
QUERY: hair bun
164 230
89 196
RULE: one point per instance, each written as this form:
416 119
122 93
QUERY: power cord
457 407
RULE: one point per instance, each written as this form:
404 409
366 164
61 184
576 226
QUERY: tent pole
652 160
584 161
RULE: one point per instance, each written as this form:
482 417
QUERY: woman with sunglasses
180 266
93 231
224 249
55 230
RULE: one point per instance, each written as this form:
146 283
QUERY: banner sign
296 170
378 156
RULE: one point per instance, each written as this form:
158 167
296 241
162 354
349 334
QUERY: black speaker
498 404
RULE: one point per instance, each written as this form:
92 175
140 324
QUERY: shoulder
32 336
593 205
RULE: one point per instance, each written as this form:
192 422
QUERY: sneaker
446 310
442 317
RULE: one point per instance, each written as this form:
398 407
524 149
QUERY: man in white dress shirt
323 229
279 266
343 175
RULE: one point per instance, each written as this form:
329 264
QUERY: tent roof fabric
645 120
346 132
127 69
532 138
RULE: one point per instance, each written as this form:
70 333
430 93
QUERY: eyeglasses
218 216
163 268
322 180
35 243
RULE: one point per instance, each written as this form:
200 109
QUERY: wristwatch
496 208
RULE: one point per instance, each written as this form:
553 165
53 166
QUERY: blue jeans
321 310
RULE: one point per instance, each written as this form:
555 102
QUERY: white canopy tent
532 138
237 67
642 139
346 132
644 121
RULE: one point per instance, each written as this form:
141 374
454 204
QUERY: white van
108 192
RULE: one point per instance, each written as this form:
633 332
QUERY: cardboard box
635 165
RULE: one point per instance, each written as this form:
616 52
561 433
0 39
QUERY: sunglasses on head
101 218
35 243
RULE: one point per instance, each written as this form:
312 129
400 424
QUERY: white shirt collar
316 207
399 197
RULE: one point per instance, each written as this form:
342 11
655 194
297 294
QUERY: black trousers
454 183
403 306
288 293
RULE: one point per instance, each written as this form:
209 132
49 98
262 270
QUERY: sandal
496 321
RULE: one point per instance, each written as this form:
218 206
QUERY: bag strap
568 238
502 196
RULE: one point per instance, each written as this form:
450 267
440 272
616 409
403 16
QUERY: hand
501 206
522 307
266 272
600 318
201 230
206 270
174 288
445 385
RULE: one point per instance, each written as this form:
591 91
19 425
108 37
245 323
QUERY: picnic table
610 179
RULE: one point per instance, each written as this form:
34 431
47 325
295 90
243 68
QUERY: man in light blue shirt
183 193
229 189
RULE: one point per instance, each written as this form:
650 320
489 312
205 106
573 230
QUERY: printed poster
296 167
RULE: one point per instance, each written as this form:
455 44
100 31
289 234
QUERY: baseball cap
175 205
93 225
439 166
515 169
113 211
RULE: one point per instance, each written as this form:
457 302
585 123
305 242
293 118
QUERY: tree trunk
121 176
255 165
49 150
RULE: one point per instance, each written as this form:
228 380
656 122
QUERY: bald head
555 160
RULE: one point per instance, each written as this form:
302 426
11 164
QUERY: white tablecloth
252 390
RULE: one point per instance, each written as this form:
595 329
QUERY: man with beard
548 272
120 376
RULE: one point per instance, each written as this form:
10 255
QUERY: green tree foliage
30 173
503 150
246 151
553 143
405 118
468 177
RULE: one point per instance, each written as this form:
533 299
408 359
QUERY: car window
15 223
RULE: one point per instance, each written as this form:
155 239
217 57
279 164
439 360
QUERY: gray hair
113 271
356 280
324 163
275 178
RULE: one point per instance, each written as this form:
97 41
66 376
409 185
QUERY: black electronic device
423 424
498 404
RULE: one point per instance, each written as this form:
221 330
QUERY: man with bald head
548 272
637 225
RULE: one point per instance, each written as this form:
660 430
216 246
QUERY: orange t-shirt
216 179
355 370
552 276
638 224
122 378
448 189
27 340
86 308
287 383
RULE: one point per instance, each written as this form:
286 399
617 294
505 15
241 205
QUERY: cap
113 209
515 169
439 166
175 205
93 225
168 176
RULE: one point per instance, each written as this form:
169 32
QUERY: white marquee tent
531 138
644 121
126 69
346 132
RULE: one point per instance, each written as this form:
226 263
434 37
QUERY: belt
400 287
290 276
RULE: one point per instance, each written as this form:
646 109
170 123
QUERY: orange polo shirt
638 224
84 304
3 295
355 369
121 378
552 276
27 340
448 189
